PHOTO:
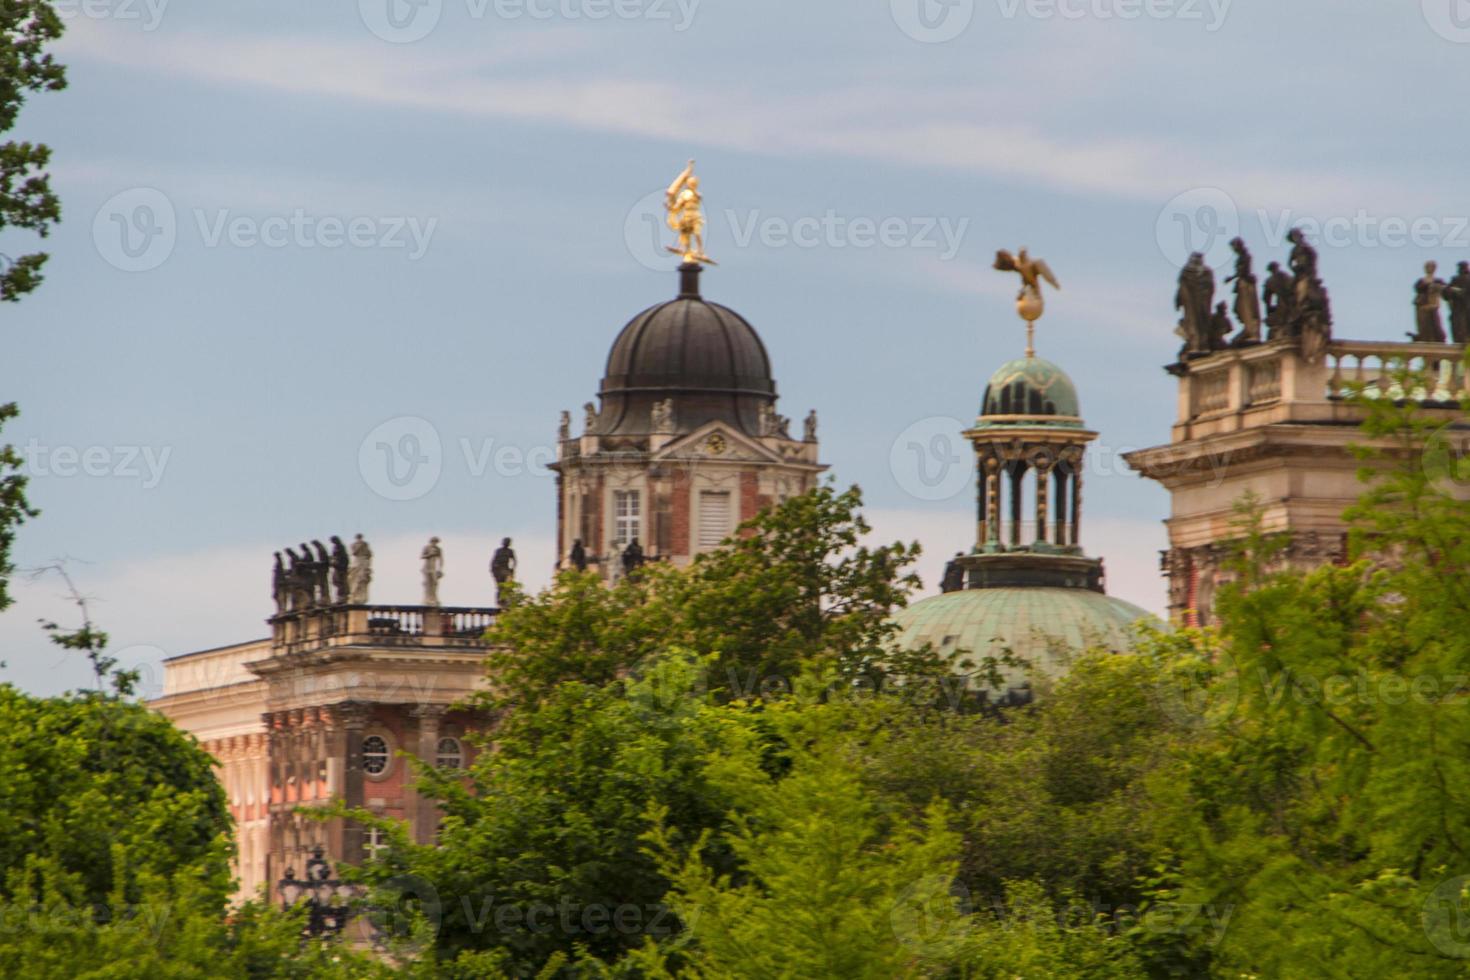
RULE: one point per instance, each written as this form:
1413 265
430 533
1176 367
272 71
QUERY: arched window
375 755
450 754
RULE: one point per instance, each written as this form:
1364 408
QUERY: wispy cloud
965 128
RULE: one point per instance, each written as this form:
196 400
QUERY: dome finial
686 217
689 280
1029 304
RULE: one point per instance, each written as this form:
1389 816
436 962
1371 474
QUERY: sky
293 233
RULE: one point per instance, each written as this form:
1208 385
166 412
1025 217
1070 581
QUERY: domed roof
1044 626
704 355
1030 391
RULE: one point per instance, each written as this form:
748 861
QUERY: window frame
440 755
387 755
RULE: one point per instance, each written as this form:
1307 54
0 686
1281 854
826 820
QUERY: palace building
687 442
684 443
1268 423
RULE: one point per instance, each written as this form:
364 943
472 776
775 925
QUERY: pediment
717 441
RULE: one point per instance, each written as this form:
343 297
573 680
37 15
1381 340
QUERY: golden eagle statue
1029 304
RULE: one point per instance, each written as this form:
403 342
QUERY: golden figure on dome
686 217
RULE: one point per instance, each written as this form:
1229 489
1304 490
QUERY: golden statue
686 217
1029 304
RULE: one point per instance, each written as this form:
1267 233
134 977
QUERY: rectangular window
627 518
714 518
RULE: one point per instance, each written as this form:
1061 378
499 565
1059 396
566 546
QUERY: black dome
704 356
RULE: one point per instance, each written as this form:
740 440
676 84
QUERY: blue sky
333 224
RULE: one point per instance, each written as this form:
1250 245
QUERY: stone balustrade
1371 366
410 626
1267 383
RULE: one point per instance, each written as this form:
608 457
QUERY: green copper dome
1044 626
1030 391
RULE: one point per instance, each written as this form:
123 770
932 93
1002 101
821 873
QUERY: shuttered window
627 517
714 517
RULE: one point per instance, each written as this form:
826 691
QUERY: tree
26 200
1326 804
14 508
86 777
796 586
540 852
1055 793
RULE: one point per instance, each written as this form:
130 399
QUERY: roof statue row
309 579
1297 305
1429 293
315 578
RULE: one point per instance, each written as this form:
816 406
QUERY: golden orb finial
1029 304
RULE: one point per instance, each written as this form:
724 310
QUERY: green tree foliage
84 775
795 587
171 927
541 849
1326 804
1055 794
644 765
14 508
26 200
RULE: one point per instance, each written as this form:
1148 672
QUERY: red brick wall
679 520
750 498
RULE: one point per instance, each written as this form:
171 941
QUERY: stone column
982 502
1077 505
992 483
1043 474
1016 474
1060 537
424 810
349 718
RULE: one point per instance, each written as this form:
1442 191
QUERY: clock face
715 444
